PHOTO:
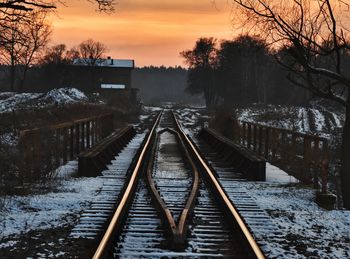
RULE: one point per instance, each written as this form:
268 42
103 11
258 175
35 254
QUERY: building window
112 86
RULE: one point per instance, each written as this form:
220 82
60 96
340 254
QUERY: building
109 77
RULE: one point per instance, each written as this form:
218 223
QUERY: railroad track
172 204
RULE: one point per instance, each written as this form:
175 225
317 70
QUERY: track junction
171 202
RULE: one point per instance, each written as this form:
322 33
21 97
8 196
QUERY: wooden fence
44 149
304 156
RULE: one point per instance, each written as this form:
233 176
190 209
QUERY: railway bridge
177 198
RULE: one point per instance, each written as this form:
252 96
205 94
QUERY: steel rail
127 194
177 231
248 236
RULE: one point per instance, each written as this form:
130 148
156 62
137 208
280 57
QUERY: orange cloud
151 32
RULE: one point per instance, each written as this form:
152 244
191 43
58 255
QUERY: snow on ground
314 120
276 175
44 211
308 230
143 117
17 100
304 125
338 120
8 244
5 95
191 118
23 213
146 116
67 170
320 120
14 101
64 95
151 109
9 139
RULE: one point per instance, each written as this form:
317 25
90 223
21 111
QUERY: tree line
162 84
315 37
308 39
24 36
244 71
35 66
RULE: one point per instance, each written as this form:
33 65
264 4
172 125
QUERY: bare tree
24 5
106 5
55 65
59 54
21 43
72 54
54 55
9 38
316 39
91 52
37 32
7 6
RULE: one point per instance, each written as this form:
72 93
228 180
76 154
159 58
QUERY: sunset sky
152 32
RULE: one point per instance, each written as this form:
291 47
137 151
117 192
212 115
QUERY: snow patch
8 244
65 95
67 170
9 139
17 100
337 120
25 213
10 102
276 175
311 120
151 109
308 230
319 119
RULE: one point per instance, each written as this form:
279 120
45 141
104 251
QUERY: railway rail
173 205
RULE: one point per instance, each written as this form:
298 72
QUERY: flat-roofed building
109 77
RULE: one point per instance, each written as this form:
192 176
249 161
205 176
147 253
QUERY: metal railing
304 156
44 149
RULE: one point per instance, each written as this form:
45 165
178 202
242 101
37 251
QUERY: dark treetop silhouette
314 35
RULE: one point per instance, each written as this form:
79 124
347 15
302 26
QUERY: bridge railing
304 156
44 149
